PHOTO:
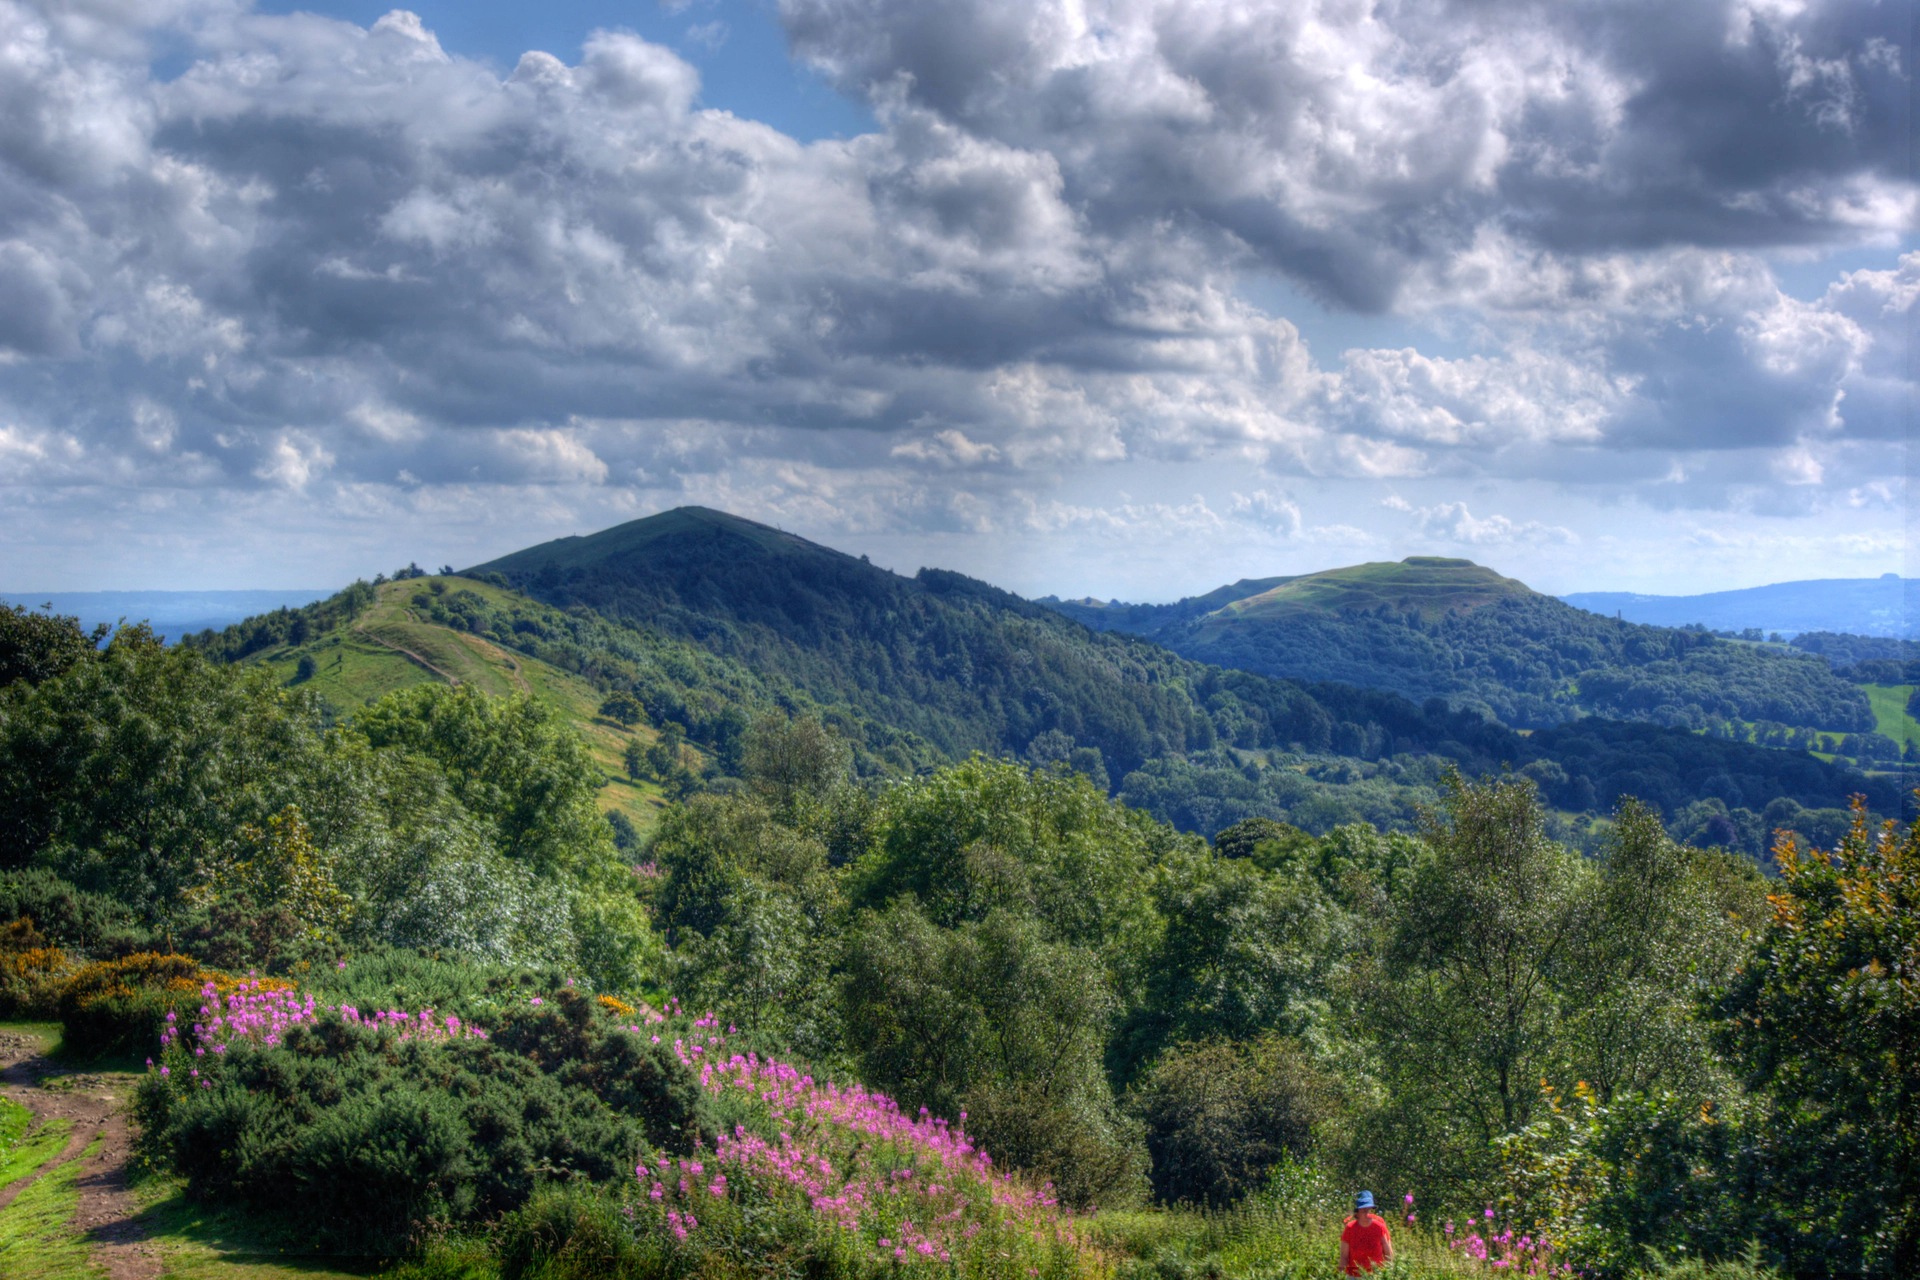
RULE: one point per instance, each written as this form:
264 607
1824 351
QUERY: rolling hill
1431 626
962 666
391 642
1888 605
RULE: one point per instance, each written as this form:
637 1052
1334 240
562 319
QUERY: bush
575 1040
1218 1116
237 934
68 916
114 1006
483 995
1089 1159
361 1139
31 975
566 1232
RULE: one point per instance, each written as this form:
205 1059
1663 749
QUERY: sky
1120 298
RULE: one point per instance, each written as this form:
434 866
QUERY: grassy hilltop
1432 626
1429 587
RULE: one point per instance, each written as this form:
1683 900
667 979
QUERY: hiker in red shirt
1365 1242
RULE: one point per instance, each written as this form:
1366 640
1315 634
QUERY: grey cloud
1346 144
334 256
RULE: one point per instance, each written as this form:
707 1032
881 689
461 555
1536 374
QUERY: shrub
1087 1157
1218 1116
113 1006
31 976
566 1232
404 979
574 1040
361 1138
70 917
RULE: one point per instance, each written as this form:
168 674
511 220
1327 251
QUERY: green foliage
1243 952
360 1139
623 707
36 646
139 777
1527 659
126 773
510 762
1823 1021
392 978
571 1233
749 904
986 835
284 626
577 1042
1220 1115
992 1019
70 917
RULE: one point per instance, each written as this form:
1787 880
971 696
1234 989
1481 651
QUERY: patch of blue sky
738 46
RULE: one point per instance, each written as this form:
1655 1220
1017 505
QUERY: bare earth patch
95 1104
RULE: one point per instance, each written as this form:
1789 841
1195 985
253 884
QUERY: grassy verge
1255 1241
21 1155
37 1240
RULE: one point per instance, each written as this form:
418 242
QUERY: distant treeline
1865 659
1528 661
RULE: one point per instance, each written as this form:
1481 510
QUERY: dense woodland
1629 1059
1528 661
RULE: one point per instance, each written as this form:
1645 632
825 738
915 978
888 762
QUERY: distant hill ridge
965 666
1888 605
1429 586
1435 626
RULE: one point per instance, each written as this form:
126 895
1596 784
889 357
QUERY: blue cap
1364 1200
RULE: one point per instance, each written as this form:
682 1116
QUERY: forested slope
1432 627
966 667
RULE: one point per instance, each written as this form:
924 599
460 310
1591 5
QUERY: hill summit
1430 586
1439 626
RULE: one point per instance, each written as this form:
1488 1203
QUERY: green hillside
396 644
1892 705
1425 586
959 666
1430 626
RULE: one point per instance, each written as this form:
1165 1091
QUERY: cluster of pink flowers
912 1185
1504 1250
254 1014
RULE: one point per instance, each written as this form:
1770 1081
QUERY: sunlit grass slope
394 645
1890 710
1427 585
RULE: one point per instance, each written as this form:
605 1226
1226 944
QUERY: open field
1890 709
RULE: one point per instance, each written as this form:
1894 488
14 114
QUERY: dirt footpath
96 1105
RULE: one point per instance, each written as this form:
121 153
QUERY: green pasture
1890 709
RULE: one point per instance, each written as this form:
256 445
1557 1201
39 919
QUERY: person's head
1363 1203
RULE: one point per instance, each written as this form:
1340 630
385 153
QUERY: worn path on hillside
360 629
95 1104
493 652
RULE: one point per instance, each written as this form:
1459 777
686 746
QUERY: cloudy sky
1114 297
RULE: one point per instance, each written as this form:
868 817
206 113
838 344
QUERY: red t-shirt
1366 1241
